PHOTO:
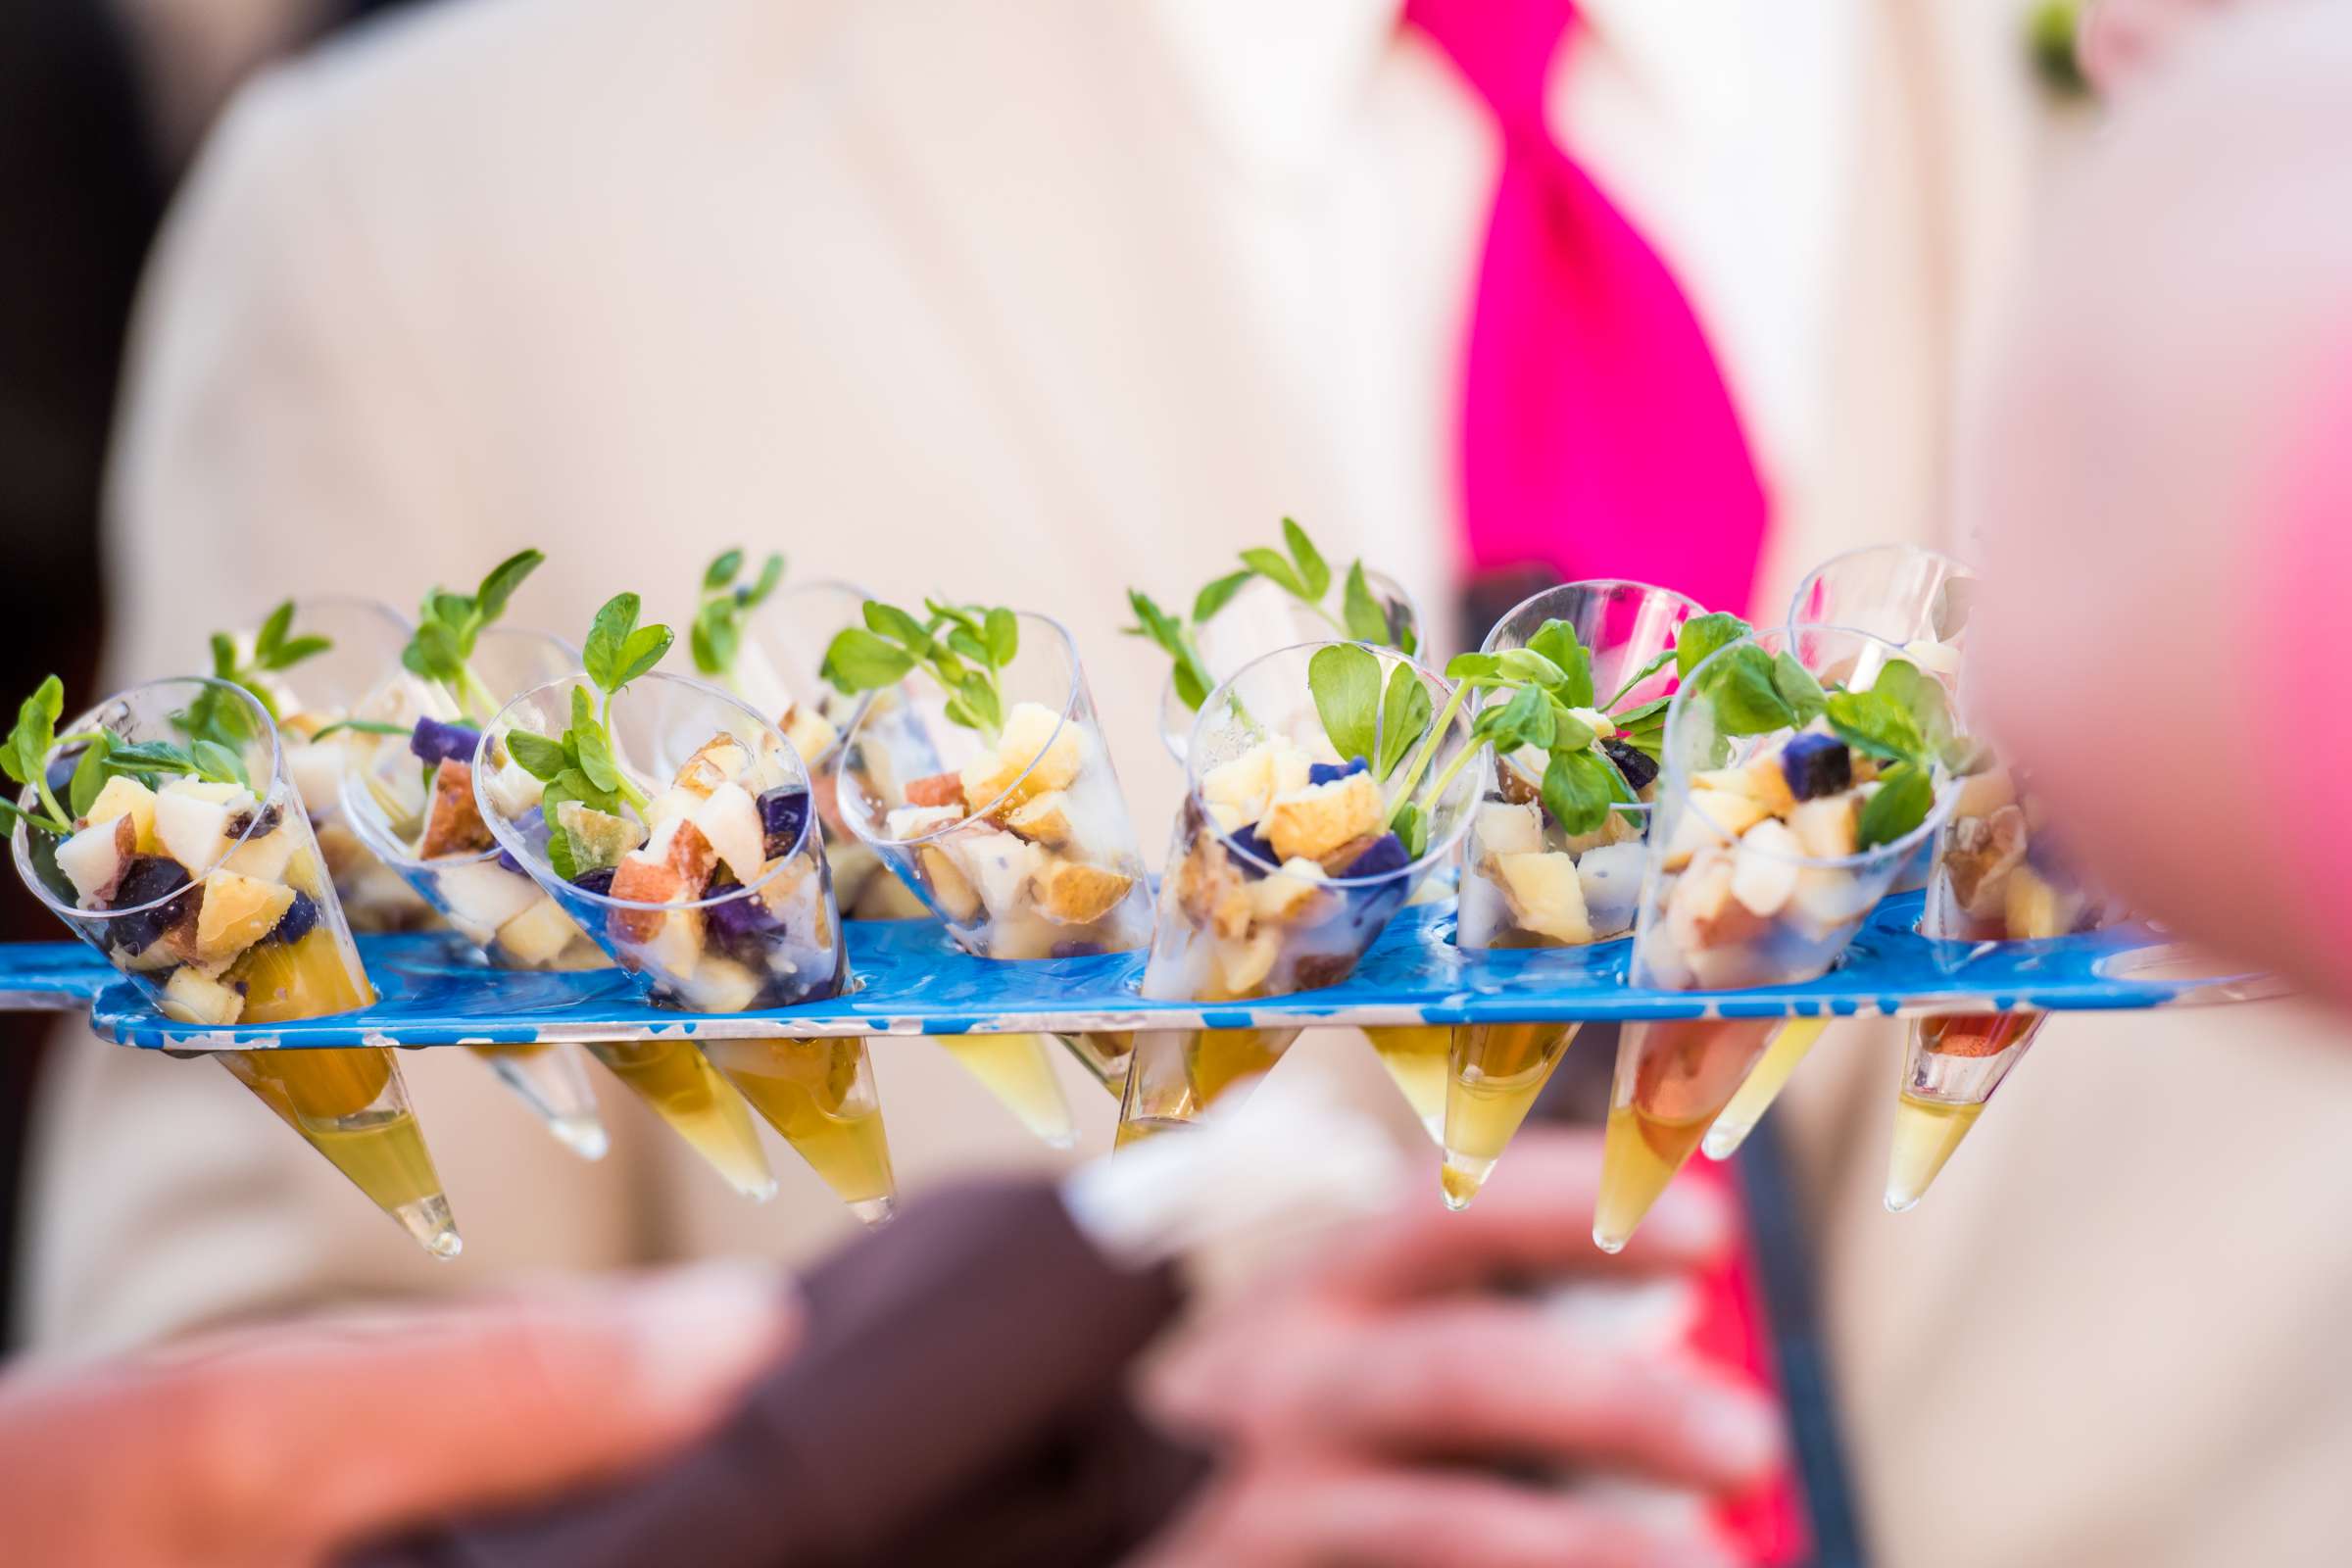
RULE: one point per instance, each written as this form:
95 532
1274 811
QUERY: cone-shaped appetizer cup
364 638
1290 851
1999 877
1798 782
709 883
1528 882
408 795
780 667
1017 837
1919 600
190 864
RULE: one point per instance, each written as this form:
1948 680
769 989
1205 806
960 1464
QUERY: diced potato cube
1764 867
236 912
453 821
1713 817
191 822
1761 779
1544 895
193 998
913 821
730 820
122 796
717 760
1611 880
1276 898
266 855
719 984
1072 892
1000 867
1042 820
538 936
675 946
1313 822
1501 828
1829 828
317 773
95 858
937 788
811 733
1982 793
2037 907
958 899
1702 912
1243 966
1251 781
673 867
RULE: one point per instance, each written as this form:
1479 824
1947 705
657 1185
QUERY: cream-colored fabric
1036 299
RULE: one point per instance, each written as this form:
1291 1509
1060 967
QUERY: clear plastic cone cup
1284 863
1528 882
1762 863
1018 841
2000 874
411 805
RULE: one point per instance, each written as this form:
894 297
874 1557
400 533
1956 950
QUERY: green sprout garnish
1536 698
717 634
215 716
25 757
448 625
1904 721
581 765
362 726
275 649
1303 573
965 647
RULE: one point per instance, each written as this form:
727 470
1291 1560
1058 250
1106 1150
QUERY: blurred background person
1029 305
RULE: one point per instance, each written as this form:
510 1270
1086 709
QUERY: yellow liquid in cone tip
1925 1133
1020 1073
1495 1074
685 1091
336 1099
1790 1047
820 1094
1640 1156
1418 1060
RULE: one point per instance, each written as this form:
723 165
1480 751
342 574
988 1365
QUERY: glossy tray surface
912 980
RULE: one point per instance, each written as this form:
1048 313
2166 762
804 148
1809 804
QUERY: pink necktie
1597 436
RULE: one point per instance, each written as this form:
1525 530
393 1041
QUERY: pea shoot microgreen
448 625
275 648
716 635
581 765
33 739
966 648
1297 569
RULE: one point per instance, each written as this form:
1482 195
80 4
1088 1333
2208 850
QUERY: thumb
361 1425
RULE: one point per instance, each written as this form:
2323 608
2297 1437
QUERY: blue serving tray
912 980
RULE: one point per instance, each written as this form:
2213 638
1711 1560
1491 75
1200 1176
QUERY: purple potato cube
1816 765
296 923
1382 857
784 816
437 742
1637 765
150 877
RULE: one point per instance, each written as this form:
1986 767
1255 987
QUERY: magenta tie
1597 436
